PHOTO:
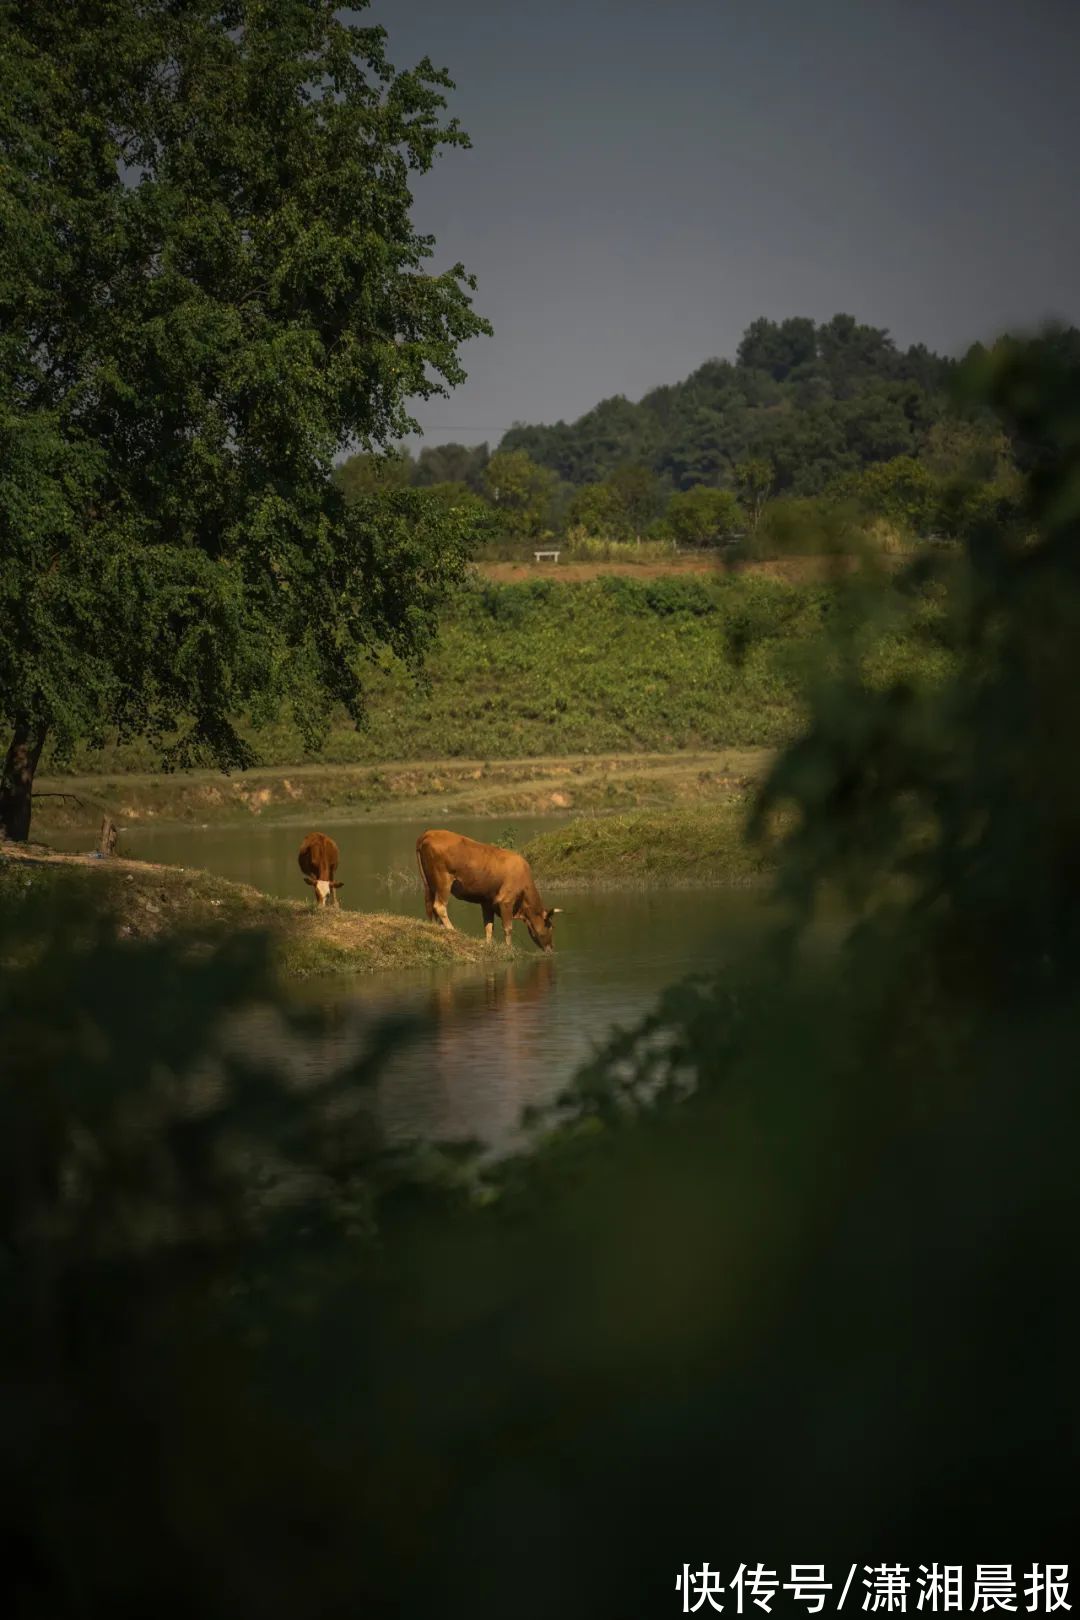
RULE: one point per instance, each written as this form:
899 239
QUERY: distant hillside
814 401
803 410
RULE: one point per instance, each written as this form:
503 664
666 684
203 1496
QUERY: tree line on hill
806 416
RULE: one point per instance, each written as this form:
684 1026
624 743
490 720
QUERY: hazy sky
646 178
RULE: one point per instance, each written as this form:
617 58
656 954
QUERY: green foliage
814 401
977 449
703 516
974 487
637 499
950 764
807 411
435 465
613 665
965 507
213 286
613 434
754 480
520 492
778 348
594 511
371 474
464 503
452 464
621 508
158 1216
921 1039
803 525
903 490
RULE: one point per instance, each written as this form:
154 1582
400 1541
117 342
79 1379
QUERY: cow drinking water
318 860
497 880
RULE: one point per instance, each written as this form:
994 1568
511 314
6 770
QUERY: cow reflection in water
476 1072
478 1055
499 988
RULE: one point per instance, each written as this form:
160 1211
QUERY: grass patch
702 845
144 901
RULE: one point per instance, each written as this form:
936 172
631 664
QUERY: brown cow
494 879
318 859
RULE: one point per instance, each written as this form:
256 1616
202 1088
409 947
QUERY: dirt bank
411 789
144 901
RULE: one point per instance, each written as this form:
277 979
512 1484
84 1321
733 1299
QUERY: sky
647 178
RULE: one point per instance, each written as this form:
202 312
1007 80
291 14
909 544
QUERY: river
488 1043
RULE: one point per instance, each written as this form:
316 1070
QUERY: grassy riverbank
684 848
592 667
145 901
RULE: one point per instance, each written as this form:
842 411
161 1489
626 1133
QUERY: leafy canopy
701 516
519 490
210 286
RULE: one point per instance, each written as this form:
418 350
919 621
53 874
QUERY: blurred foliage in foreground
789 1279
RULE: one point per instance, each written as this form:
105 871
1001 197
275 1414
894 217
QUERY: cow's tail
429 898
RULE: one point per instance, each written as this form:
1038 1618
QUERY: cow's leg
429 898
439 907
489 919
506 914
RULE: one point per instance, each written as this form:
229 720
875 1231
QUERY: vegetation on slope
607 666
806 415
814 400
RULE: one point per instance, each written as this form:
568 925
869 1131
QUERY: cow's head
322 887
541 928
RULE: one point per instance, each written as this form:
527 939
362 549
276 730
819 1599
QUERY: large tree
520 491
210 285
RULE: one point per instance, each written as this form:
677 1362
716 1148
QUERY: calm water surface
489 1042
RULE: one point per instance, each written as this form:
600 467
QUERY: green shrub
803 525
704 516
902 490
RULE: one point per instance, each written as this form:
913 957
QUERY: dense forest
812 400
805 413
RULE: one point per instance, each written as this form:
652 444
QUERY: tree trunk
17 782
